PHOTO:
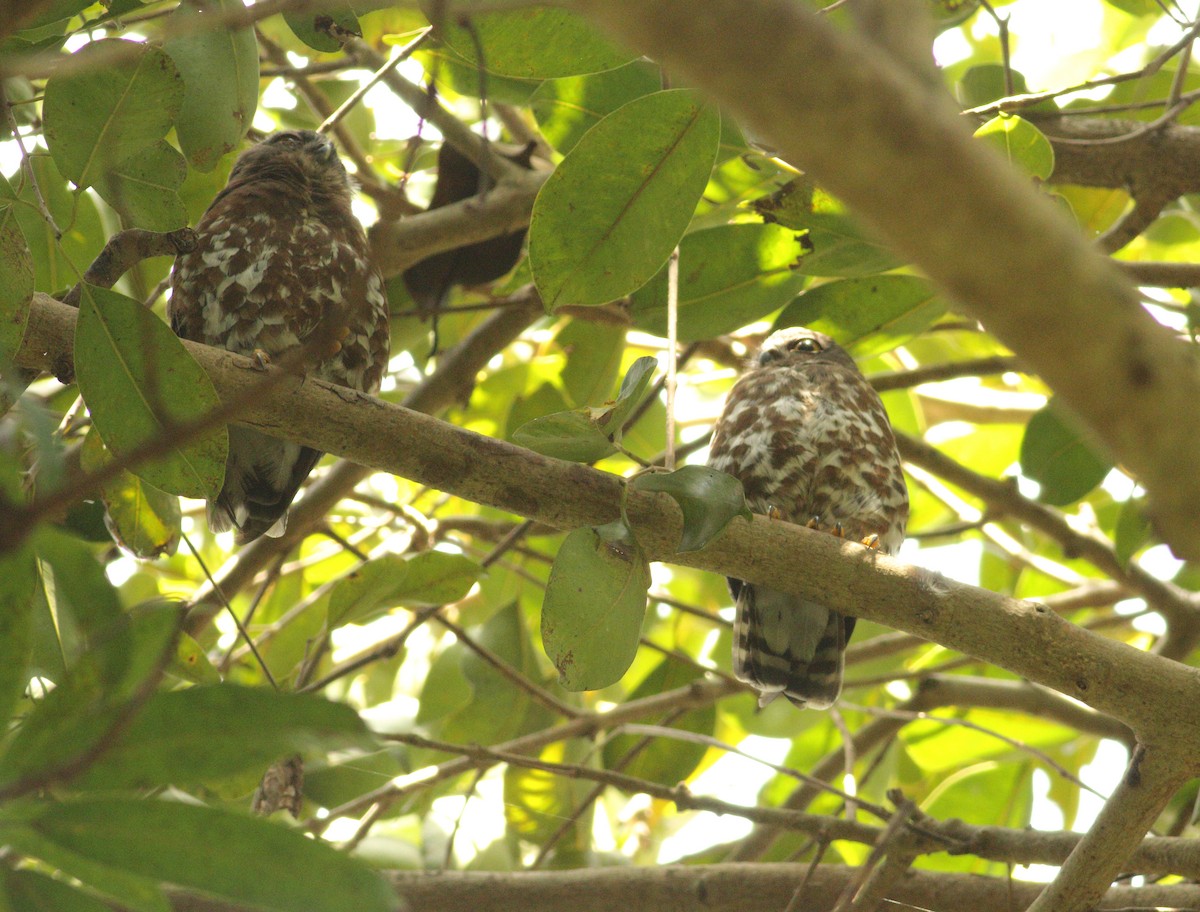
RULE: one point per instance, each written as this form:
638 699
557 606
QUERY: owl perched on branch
810 441
281 267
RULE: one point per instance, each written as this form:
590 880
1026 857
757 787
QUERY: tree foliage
472 645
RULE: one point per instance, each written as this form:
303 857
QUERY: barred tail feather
262 476
783 644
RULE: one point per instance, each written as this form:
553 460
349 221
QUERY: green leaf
614 209
535 43
709 500
313 28
428 578
728 276
144 188
16 278
138 894
633 387
32 891
141 519
985 83
572 436
19 582
866 316
191 663
58 262
593 358
664 760
139 381
1133 529
1059 458
567 108
85 602
69 725
594 605
437 578
158 840
119 98
219 67
192 736
1023 144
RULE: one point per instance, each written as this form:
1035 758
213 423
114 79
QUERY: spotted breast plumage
811 443
281 264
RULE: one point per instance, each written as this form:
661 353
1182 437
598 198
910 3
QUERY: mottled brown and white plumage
811 442
280 257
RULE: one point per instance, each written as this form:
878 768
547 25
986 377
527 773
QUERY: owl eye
807 345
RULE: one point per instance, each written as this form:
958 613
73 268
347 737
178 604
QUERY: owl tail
262 476
786 644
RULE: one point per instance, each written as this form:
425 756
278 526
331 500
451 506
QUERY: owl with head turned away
810 440
281 267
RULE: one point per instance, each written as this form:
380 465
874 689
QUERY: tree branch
848 115
1148 693
715 888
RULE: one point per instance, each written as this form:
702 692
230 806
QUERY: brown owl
279 253
811 443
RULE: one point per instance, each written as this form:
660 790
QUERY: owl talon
261 359
773 512
871 541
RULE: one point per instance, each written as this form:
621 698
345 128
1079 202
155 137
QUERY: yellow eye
807 344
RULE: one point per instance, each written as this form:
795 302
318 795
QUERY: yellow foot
871 541
773 512
261 359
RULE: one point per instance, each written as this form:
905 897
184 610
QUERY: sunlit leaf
594 604
633 387
1023 144
567 108
1133 529
1058 457
866 316
641 171
535 43
709 500
141 519
728 277
139 381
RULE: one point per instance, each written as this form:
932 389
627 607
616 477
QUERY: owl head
796 346
297 157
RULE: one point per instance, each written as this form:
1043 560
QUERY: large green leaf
220 71
1060 458
567 108
120 98
728 277
609 216
535 43
144 188
866 315
32 891
190 736
16 277
594 605
313 27
158 840
139 382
